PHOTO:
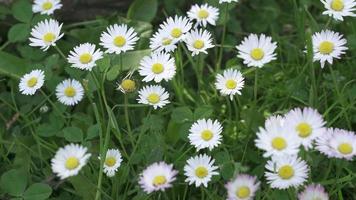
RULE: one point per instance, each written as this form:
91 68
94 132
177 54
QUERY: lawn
177 100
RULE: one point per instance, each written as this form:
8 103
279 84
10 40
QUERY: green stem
127 119
60 52
256 84
4 45
218 64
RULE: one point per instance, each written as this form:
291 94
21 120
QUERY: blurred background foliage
29 137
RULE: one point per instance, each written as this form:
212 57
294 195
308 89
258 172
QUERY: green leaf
73 134
143 10
203 112
103 63
93 131
13 182
22 11
37 191
12 66
82 187
181 115
18 32
227 171
46 130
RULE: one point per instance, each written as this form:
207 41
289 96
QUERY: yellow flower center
337 5
72 163
203 14
257 54
176 32
47 5
198 44
304 129
243 192
159 180
110 161
345 148
128 85
326 47
85 58
231 84
157 68
32 82
286 172
279 143
166 41
70 91
201 172
207 135
119 41
153 98
49 37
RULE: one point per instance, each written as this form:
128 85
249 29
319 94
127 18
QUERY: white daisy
199 170
313 192
230 82
69 160
157 67
203 14
307 124
154 95
322 143
227 1
69 92
46 7
256 51
205 134
84 56
343 144
328 45
177 27
162 41
45 34
277 139
158 176
339 8
198 41
112 162
31 82
286 171
127 85
243 187
118 38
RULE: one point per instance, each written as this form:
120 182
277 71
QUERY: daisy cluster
281 139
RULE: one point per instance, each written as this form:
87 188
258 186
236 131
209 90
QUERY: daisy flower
158 176
205 134
118 38
199 170
177 27
230 82
46 7
154 95
157 67
162 41
69 92
31 82
322 143
198 41
69 160
256 51
84 56
328 45
339 8
286 171
243 187
227 1
277 139
127 85
343 144
45 34
203 14
313 192
306 123
112 162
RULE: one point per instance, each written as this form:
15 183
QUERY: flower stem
60 52
218 63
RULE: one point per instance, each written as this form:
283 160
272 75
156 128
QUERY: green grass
106 118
